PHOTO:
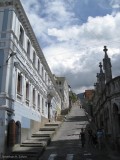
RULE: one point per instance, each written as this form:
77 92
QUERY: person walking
89 136
82 137
100 138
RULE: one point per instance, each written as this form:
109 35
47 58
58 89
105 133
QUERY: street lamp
50 95
11 54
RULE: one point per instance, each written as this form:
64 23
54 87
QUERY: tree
73 97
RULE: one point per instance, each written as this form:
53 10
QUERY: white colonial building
28 92
63 87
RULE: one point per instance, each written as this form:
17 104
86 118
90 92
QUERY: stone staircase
33 148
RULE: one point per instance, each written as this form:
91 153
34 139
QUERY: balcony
27 102
19 96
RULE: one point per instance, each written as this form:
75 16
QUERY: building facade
64 90
88 95
106 102
28 92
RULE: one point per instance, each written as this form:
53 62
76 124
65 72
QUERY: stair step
27 150
48 129
52 124
40 139
40 135
31 145
44 132
35 146
23 155
35 142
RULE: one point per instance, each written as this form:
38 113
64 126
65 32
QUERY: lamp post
11 55
50 95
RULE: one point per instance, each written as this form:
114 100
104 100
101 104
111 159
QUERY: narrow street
66 145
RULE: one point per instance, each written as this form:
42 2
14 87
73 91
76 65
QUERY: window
59 82
38 102
19 84
28 47
42 105
42 72
27 93
48 80
38 66
19 87
21 36
45 77
27 90
34 98
46 103
34 58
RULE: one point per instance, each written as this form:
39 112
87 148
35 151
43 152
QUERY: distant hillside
80 95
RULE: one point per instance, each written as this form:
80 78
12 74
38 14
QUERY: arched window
116 117
18 132
11 133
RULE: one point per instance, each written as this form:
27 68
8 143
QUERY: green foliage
73 96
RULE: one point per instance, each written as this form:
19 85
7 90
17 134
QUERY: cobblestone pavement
66 144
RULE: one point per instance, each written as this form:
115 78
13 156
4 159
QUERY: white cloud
81 48
72 49
99 28
58 9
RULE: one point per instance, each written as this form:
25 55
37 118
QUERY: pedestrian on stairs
90 133
100 136
82 137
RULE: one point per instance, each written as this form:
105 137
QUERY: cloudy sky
72 34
